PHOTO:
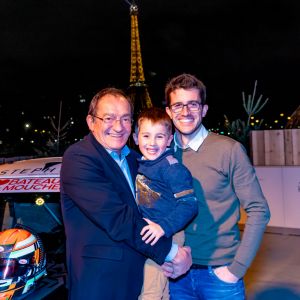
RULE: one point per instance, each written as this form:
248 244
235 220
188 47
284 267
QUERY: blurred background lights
39 201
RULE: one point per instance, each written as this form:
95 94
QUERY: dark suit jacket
105 253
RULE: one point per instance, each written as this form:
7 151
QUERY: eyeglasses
193 106
126 120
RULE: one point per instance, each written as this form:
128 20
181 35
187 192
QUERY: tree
58 134
239 129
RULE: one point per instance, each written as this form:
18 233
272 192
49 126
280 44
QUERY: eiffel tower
137 89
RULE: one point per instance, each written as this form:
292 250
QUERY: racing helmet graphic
22 262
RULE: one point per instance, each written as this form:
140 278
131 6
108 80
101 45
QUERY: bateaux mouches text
9 185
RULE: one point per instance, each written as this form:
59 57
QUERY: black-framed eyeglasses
125 120
193 106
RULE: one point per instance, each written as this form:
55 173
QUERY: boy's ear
135 138
170 140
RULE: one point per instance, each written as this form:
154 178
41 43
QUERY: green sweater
223 172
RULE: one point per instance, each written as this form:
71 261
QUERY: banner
38 175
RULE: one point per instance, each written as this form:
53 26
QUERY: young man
105 251
165 193
224 173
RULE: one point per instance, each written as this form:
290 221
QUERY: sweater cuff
237 269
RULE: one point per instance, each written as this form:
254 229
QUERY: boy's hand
152 232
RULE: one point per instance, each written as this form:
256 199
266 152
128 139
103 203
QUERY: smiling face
153 138
186 122
112 136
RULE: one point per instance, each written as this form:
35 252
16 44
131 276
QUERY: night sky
57 50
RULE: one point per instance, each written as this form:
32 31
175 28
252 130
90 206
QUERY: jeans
204 284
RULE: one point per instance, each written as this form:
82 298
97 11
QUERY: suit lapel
117 174
133 165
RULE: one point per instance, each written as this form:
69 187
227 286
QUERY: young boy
165 193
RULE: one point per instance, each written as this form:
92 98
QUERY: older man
105 252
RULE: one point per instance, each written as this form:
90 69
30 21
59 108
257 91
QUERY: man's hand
180 264
225 275
152 232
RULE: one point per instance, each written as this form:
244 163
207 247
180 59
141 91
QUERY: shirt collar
116 156
195 142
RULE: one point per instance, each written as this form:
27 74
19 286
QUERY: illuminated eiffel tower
137 89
